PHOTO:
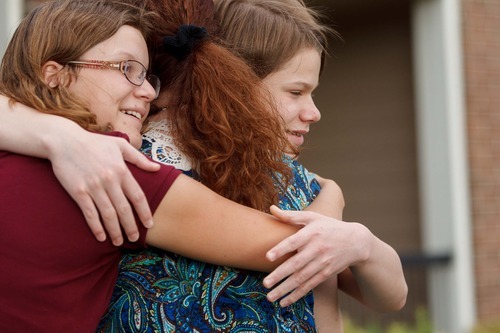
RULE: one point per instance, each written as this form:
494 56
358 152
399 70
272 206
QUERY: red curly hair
222 118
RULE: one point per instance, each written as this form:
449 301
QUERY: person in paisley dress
285 43
165 292
159 291
60 278
227 286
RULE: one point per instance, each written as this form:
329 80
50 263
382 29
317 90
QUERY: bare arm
329 202
91 167
369 269
195 222
327 314
378 282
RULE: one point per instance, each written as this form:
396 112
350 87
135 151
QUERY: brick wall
482 71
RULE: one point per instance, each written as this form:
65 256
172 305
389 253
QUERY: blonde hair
267 34
61 31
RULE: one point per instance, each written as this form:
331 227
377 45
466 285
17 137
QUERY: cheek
289 111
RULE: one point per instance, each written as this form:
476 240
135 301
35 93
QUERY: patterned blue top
158 291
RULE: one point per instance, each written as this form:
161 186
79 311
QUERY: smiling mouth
294 134
133 114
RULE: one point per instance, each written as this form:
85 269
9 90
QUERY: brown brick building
410 129
481 42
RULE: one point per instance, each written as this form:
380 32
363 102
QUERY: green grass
422 324
488 327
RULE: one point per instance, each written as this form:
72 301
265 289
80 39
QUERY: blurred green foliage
422 324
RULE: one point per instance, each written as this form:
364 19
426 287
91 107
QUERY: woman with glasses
57 277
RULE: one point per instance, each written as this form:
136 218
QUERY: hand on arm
377 281
311 239
325 247
91 167
93 171
329 202
332 247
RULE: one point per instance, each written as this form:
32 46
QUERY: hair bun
183 43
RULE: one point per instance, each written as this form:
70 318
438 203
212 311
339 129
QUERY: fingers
116 194
114 198
133 191
122 215
103 200
132 155
92 169
304 278
100 188
91 216
293 217
288 245
134 194
297 293
292 243
294 264
316 260
108 216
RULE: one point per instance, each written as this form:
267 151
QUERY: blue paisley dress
158 291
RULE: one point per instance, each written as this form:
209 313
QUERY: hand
324 246
92 169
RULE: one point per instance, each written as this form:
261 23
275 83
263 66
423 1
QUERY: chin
136 141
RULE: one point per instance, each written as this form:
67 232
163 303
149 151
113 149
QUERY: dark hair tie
183 43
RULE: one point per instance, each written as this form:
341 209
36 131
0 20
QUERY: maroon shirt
55 276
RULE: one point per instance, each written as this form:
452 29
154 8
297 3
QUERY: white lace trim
163 149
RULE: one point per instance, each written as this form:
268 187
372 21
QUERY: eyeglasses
133 70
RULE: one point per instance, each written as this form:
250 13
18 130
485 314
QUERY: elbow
397 301
402 299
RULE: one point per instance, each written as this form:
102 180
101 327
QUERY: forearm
327 313
29 132
197 223
378 281
329 202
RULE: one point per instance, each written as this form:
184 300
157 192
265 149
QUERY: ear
51 74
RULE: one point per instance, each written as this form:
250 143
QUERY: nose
310 113
146 91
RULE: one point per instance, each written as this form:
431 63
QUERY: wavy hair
62 31
267 34
222 118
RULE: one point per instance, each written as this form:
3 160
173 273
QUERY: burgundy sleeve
155 185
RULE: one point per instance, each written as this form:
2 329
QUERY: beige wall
366 138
